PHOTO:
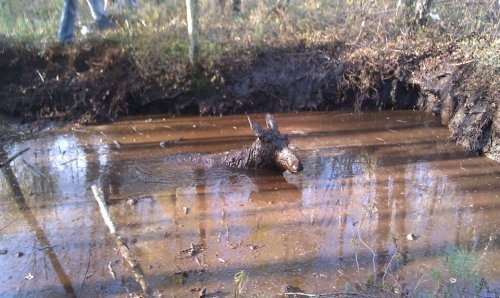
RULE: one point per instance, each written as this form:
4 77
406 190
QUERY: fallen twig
335 294
76 158
111 270
13 157
85 276
168 143
122 245
463 63
387 269
33 170
17 216
373 253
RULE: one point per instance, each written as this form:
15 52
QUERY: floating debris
202 293
186 209
19 254
169 143
33 170
118 145
29 276
193 250
132 201
198 261
411 237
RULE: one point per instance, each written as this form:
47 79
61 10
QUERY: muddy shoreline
98 83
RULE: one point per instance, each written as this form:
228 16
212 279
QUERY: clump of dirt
98 82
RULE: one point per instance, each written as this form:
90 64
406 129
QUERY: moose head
271 151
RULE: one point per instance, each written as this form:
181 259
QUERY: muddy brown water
369 180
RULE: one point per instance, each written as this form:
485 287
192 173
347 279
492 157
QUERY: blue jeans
67 27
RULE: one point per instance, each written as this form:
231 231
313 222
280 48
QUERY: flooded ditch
382 198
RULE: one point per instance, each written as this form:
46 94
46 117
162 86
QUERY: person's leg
97 9
100 16
133 4
67 26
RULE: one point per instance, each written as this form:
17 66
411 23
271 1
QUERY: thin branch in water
122 245
13 157
374 255
418 283
33 170
17 216
336 294
387 267
66 162
111 270
355 249
85 276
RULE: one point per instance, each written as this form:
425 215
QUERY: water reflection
369 180
12 185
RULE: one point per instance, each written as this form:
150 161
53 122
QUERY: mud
98 83
374 177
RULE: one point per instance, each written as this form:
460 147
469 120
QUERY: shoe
105 24
68 42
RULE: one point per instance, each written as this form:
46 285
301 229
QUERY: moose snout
297 167
288 160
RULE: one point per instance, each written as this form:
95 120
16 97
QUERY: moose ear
257 130
271 122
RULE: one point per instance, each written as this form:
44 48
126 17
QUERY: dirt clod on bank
97 83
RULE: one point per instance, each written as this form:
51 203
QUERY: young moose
270 151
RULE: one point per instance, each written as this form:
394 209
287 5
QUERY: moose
271 151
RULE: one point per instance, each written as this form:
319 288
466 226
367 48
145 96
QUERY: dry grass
157 33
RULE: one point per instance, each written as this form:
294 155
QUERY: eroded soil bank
98 83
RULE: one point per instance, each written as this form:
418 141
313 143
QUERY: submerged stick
168 143
122 245
13 157
33 170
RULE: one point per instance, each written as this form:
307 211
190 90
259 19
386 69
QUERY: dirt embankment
95 83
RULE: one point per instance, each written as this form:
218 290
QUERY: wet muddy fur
270 151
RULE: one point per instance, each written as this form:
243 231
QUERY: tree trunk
194 34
